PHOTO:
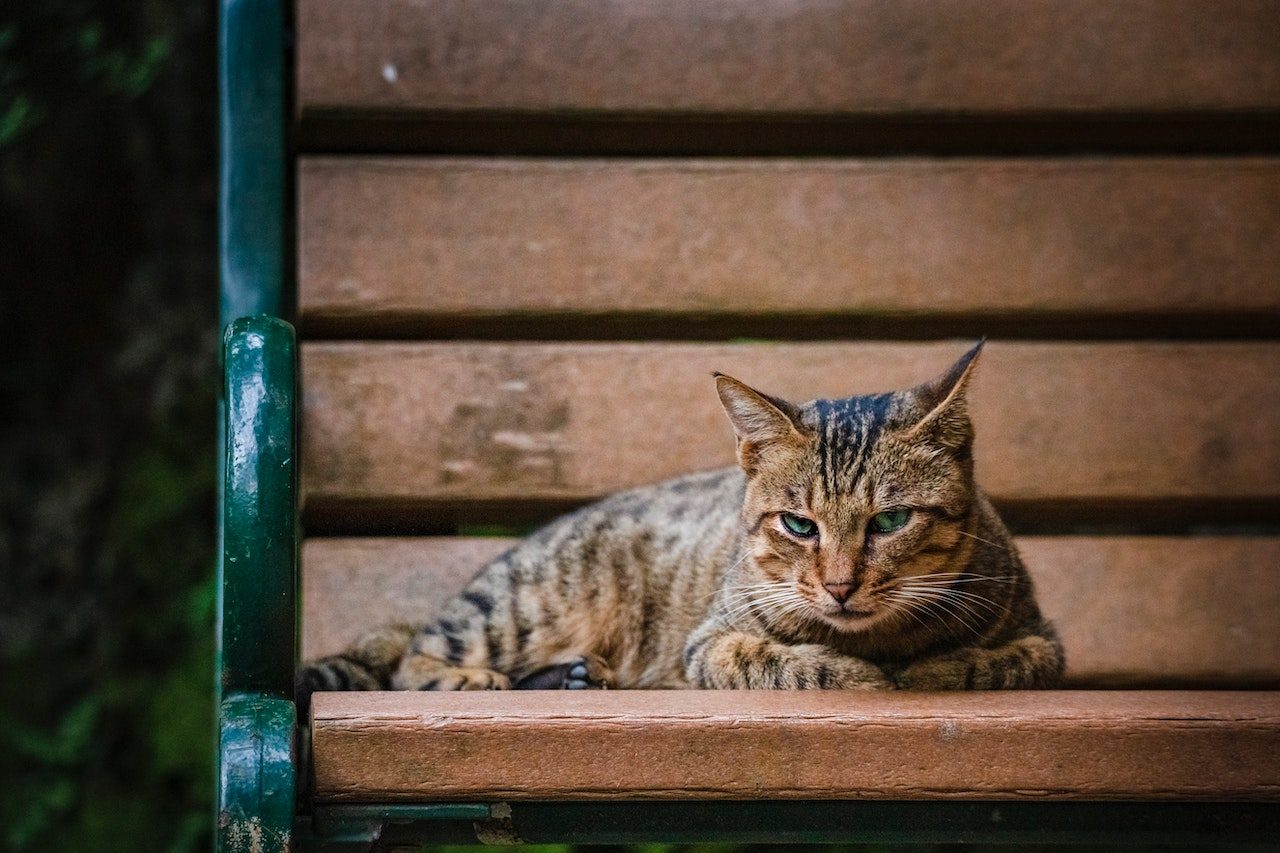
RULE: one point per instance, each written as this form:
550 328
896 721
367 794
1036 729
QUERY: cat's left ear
945 405
761 423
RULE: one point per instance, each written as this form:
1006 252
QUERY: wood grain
824 57
406 244
1132 611
795 745
436 425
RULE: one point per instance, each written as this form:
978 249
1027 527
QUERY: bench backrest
605 201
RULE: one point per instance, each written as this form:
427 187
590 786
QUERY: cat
850 548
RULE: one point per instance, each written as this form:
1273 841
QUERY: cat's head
847 499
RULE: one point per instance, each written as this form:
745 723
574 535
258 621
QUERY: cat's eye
799 525
890 519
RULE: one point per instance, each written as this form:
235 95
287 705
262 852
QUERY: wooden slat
795 745
1147 611
420 426
411 243
789 56
352 585
1132 612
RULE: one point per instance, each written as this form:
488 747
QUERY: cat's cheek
774 568
785 558
899 553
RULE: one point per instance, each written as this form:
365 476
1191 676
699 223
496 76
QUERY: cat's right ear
761 423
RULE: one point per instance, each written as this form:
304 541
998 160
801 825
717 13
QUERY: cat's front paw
1029 662
816 666
453 678
862 675
938 674
585 672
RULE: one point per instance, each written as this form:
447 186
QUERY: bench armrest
258 578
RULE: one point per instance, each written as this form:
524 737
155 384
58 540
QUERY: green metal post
253 196
257 530
259 509
257 718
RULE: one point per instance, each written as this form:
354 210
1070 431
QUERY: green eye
799 526
890 520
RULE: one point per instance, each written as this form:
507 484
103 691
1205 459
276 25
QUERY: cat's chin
851 621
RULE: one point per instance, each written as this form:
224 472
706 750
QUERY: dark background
108 189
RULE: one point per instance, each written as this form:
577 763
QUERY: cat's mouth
848 617
851 613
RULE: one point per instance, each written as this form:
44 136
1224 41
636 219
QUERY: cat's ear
762 423
944 406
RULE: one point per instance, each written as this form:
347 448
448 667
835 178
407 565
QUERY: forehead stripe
849 429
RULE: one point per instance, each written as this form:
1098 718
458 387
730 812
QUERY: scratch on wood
513 434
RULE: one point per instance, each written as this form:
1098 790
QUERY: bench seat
778 745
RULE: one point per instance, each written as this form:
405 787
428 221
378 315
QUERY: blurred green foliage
107 177
72 42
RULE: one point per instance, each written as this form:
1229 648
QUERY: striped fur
697 583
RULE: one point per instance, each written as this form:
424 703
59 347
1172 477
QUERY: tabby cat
850 549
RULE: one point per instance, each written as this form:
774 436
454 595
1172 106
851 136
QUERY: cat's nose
839 591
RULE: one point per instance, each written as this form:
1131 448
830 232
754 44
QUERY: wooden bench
592 205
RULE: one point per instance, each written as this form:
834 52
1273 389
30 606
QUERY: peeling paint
498 829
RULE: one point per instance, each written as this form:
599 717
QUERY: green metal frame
363 827
259 763
257 525
253 203
256 611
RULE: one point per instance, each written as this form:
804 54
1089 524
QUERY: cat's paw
939 674
589 672
454 678
816 666
858 674
1028 662
585 672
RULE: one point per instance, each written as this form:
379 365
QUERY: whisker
926 608
771 600
915 608
943 591
908 610
986 541
953 608
941 580
777 614
961 577
754 587
993 608
989 610
735 565
736 594
754 603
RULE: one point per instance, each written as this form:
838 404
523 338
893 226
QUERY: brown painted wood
1132 611
350 585
436 425
825 57
796 745
410 244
